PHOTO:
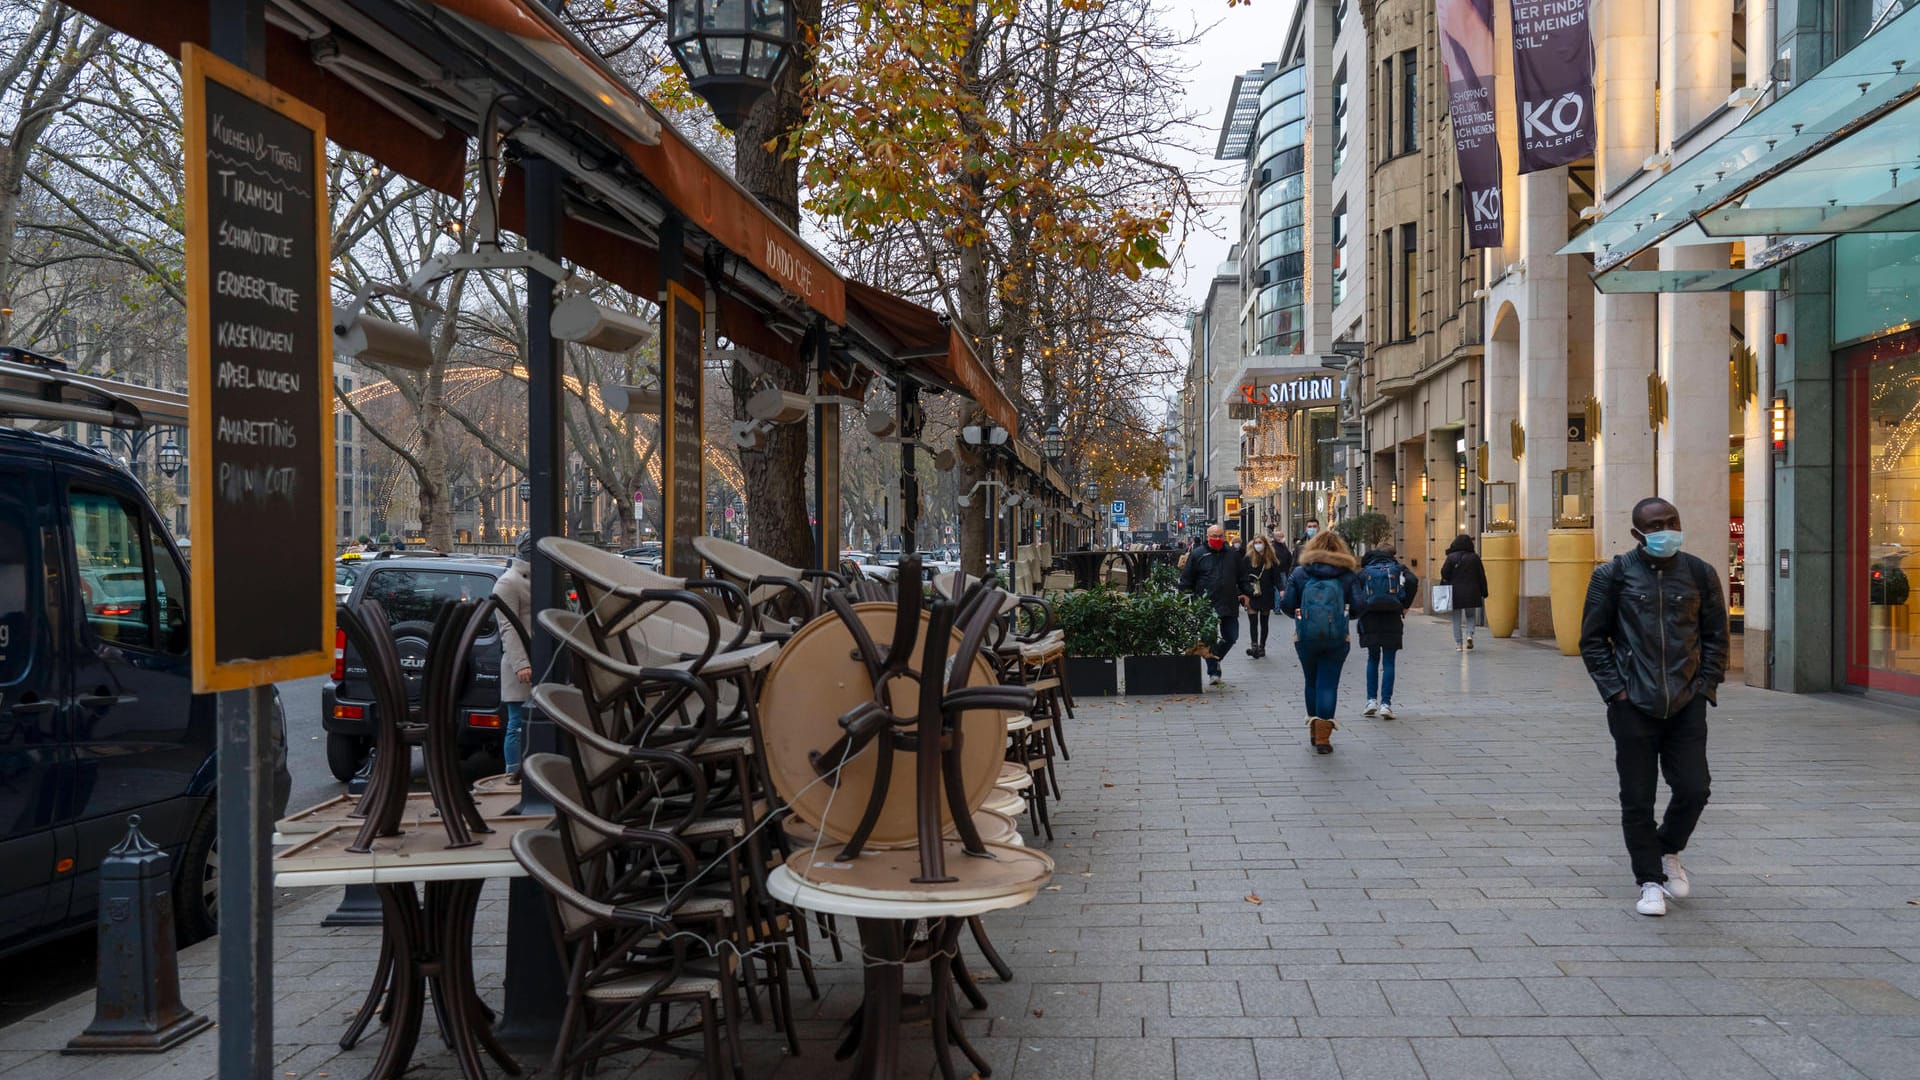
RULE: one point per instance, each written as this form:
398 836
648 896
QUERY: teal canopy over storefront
1838 154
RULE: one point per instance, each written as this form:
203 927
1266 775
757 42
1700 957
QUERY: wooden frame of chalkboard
259 359
682 412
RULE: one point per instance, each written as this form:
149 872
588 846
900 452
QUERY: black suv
413 589
98 718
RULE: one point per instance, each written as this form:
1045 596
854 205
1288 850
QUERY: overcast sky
1236 40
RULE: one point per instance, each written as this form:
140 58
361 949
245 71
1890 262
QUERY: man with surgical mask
1219 573
1654 638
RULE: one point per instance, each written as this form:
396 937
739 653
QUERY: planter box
1093 676
1164 674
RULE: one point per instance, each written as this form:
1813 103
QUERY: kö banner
1553 82
1466 32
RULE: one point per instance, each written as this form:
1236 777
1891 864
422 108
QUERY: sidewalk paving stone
1444 896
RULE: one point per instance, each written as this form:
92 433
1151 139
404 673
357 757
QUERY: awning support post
535 985
907 398
826 467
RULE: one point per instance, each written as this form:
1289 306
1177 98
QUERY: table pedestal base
428 947
874 1030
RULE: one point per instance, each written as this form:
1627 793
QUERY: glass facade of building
1276 260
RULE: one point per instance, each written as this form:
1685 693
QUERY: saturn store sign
1301 392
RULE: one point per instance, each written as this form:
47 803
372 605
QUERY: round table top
815 681
789 889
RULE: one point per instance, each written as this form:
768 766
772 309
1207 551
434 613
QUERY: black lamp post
731 50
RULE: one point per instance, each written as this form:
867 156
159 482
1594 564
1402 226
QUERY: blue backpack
1380 587
1323 611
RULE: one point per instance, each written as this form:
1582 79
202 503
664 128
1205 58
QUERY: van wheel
196 885
345 755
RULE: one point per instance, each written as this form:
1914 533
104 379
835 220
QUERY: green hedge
1156 621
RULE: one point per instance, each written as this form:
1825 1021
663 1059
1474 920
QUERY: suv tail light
484 720
339 655
349 712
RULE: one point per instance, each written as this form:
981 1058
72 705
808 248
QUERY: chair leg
710 1033
987 950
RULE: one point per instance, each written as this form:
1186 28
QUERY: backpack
1380 587
1323 611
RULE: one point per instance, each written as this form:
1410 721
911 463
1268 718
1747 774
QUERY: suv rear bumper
362 727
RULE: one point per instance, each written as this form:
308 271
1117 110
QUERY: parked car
412 590
98 718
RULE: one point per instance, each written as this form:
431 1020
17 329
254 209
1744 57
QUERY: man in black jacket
1654 638
1220 573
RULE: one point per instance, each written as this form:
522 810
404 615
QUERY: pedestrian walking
1654 638
515 590
1382 591
1269 576
1464 574
1318 597
1220 574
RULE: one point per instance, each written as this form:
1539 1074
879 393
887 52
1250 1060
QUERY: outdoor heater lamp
1426 484
1369 496
731 50
1393 492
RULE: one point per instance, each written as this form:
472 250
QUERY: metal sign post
259 359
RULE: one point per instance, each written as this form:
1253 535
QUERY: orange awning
354 120
927 342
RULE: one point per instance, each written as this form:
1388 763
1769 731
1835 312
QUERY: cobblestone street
1445 896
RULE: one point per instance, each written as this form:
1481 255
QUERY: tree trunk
776 475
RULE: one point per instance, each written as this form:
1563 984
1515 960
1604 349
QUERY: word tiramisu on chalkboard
260 348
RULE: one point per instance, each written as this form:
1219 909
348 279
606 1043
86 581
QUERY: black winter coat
1463 571
1658 632
1223 577
1269 583
1383 629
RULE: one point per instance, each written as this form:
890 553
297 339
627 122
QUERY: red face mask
1216 542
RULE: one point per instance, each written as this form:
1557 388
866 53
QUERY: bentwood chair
622 960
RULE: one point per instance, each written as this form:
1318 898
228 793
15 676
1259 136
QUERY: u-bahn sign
259 379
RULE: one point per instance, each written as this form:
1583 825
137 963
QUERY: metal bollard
137 1005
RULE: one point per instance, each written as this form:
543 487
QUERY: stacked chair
669 819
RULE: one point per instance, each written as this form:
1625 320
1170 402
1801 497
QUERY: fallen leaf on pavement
1252 898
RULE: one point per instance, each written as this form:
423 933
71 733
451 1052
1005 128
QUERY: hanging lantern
170 457
731 50
1053 444
526 490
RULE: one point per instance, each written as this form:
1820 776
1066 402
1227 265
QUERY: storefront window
1885 550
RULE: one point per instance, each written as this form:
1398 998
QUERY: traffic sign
1120 521
1119 508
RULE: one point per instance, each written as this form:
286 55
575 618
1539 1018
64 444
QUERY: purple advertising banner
1466 43
1553 82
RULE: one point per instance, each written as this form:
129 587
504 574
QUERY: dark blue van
98 718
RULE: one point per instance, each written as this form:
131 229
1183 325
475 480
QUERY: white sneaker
1653 899
1386 712
1372 707
1677 884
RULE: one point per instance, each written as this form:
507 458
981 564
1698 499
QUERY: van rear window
418 595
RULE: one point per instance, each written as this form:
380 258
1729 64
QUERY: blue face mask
1664 544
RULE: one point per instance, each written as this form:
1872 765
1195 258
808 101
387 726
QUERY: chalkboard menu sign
258 380
683 344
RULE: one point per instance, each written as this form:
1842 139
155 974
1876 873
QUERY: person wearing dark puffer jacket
1219 573
1468 578
1383 621
1317 600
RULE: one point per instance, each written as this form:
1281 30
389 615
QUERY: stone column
1543 381
1691 468
1759 435
1623 323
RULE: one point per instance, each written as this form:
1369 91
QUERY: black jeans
1257 626
1643 748
1229 633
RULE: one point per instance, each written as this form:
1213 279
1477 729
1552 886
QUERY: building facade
1303 197
1421 381
1719 308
